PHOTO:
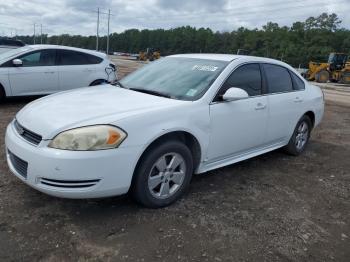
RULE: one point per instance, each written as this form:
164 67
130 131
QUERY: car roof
93 52
218 57
230 58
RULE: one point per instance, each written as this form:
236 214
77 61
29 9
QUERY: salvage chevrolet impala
147 135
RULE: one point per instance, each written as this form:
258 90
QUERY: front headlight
89 138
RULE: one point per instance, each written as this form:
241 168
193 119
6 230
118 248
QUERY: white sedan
46 69
180 115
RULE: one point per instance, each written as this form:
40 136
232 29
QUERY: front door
37 75
238 127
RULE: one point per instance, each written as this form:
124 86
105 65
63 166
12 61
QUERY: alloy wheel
302 136
167 175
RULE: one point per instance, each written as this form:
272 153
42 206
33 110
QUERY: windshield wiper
117 83
151 92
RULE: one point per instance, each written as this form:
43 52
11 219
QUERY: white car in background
46 69
179 115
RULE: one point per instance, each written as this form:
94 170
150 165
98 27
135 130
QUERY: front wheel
300 137
163 175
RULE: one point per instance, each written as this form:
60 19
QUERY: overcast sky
79 16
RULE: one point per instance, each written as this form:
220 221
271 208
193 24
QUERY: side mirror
17 62
235 93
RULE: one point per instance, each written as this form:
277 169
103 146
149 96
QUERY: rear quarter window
298 84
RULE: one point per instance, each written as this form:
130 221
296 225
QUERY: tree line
312 39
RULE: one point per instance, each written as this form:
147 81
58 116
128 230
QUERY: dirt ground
270 208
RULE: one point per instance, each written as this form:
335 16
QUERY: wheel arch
311 115
2 91
97 80
183 136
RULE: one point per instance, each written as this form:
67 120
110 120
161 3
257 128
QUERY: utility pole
109 16
41 33
34 35
98 25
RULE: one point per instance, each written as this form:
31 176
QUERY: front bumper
70 174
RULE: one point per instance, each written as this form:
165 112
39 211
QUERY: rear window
69 57
278 79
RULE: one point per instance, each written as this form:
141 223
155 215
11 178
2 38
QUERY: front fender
144 129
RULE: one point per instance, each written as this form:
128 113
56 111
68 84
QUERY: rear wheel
98 82
322 76
2 94
163 175
345 78
300 137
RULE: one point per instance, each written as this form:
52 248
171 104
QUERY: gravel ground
270 208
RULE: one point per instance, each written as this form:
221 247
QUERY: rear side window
298 84
69 57
246 77
278 79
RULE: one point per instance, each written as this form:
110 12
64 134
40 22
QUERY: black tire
98 82
322 76
345 79
292 147
140 187
2 94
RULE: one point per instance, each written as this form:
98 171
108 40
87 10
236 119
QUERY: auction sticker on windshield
207 68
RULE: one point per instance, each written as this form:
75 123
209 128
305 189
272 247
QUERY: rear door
37 75
76 69
286 102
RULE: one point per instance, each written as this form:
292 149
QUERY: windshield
13 52
175 77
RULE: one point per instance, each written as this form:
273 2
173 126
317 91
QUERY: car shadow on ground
234 176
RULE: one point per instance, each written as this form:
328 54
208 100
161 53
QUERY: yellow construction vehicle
337 69
149 54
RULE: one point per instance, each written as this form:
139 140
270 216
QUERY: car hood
105 104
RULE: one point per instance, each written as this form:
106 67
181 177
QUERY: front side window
278 79
39 58
176 77
69 57
246 77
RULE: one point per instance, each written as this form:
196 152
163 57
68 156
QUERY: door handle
260 106
298 100
88 70
49 72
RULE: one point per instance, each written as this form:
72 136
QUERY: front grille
19 164
69 183
28 135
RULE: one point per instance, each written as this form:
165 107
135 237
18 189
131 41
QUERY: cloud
193 5
79 16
